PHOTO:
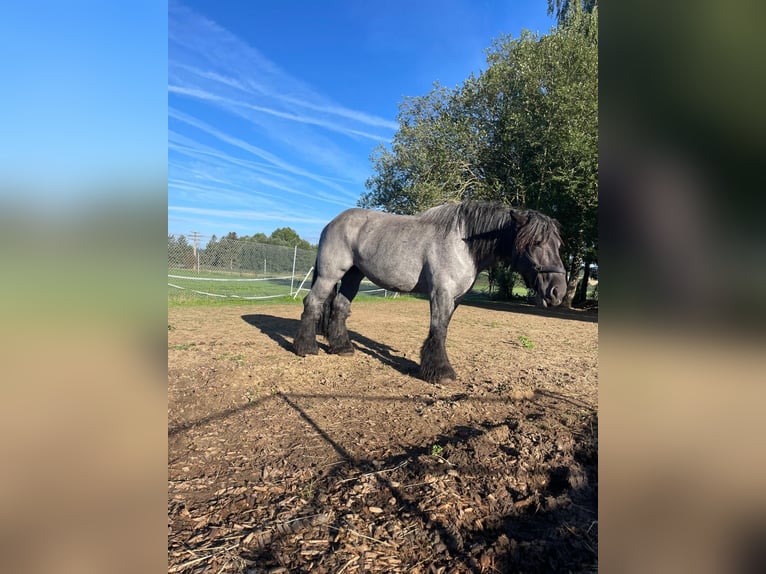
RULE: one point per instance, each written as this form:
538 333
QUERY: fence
240 269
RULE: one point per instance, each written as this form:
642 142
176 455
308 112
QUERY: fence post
292 277
302 282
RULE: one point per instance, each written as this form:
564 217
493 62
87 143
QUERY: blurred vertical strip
683 132
682 239
83 176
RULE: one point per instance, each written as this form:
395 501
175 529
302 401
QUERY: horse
439 252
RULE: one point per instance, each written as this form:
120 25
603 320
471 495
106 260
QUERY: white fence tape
229 296
227 279
291 294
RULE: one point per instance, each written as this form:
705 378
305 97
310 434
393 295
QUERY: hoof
303 350
439 378
343 351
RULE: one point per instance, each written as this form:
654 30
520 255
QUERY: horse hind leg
305 340
340 309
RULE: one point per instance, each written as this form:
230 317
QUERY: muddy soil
279 463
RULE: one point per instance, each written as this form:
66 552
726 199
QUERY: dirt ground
279 463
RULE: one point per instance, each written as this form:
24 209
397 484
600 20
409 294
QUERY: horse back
397 252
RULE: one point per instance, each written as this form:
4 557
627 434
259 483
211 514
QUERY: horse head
537 259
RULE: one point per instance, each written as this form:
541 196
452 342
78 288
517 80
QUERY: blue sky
275 107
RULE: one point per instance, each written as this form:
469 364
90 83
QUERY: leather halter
548 269
543 268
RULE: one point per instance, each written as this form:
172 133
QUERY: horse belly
391 277
395 269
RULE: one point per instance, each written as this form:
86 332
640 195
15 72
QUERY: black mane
491 229
538 228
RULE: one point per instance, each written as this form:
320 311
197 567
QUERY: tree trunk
582 292
574 269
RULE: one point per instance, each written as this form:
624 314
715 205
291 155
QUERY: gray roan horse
439 252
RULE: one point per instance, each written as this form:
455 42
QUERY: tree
543 93
562 8
209 256
258 238
289 237
434 156
180 253
524 132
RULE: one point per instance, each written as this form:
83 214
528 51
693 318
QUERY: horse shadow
587 316
278 329
282 330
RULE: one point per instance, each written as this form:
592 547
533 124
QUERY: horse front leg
434 363
305 340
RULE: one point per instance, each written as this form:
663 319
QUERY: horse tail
324 317
314 276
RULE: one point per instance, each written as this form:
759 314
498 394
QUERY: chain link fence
241 269
238 257
235 268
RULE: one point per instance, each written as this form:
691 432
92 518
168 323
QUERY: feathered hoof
442 376
305 348
342 351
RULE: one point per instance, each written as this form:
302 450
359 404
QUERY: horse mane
538 228
490 228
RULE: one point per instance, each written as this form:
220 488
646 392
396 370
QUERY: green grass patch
183 347
205 290
178 298
480 290
437 450
239 358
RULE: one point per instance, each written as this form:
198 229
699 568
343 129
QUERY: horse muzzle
552 297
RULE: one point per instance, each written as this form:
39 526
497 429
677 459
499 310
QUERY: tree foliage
285 236
434 157
562 8
524 132
180 253
289 237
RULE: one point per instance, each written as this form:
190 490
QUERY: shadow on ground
478 504
283 330
589 316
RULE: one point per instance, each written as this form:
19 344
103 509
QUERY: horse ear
521 218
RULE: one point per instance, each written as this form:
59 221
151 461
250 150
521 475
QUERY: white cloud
235 104
250 215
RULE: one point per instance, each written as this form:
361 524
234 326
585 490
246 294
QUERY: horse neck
495 246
